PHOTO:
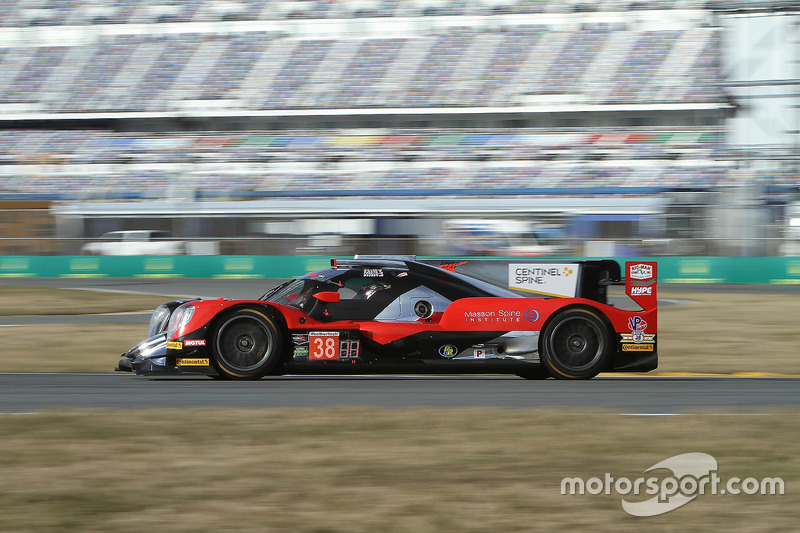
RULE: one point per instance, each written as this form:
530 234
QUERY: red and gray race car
397 314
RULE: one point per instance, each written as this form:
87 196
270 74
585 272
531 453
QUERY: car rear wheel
247 345
576 344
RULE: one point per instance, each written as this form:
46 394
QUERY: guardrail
727 270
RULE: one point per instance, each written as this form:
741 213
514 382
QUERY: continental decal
637 347
173 345
192 362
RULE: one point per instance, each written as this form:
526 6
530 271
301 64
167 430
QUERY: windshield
267 295
298 293
363 292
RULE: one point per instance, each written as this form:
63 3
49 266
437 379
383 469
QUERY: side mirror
329 297
322 300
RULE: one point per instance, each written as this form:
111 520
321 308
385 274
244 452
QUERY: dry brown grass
75 348
18 300
359 469
730 332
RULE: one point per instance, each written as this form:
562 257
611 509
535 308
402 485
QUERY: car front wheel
247 345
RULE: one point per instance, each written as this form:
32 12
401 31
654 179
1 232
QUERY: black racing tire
247 344
576 344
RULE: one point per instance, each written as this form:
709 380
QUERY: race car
375 314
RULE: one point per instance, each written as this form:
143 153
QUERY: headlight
158 321
153 346
180 318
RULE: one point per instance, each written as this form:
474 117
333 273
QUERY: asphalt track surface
635 395
21 393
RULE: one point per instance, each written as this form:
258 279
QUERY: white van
134 242
495 237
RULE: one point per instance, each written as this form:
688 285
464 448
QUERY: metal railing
435 245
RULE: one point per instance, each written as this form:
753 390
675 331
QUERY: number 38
323 348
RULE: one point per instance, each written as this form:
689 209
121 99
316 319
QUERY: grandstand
95 165
210 100
511 62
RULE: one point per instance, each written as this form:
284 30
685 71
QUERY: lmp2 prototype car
376 314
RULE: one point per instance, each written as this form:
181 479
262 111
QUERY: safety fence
726 270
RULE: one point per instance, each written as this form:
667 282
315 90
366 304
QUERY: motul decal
194 342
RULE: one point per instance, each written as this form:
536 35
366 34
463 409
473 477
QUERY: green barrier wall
773 270
160 266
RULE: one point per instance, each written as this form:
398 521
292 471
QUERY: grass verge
729 332
363 469
25 301
77 348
